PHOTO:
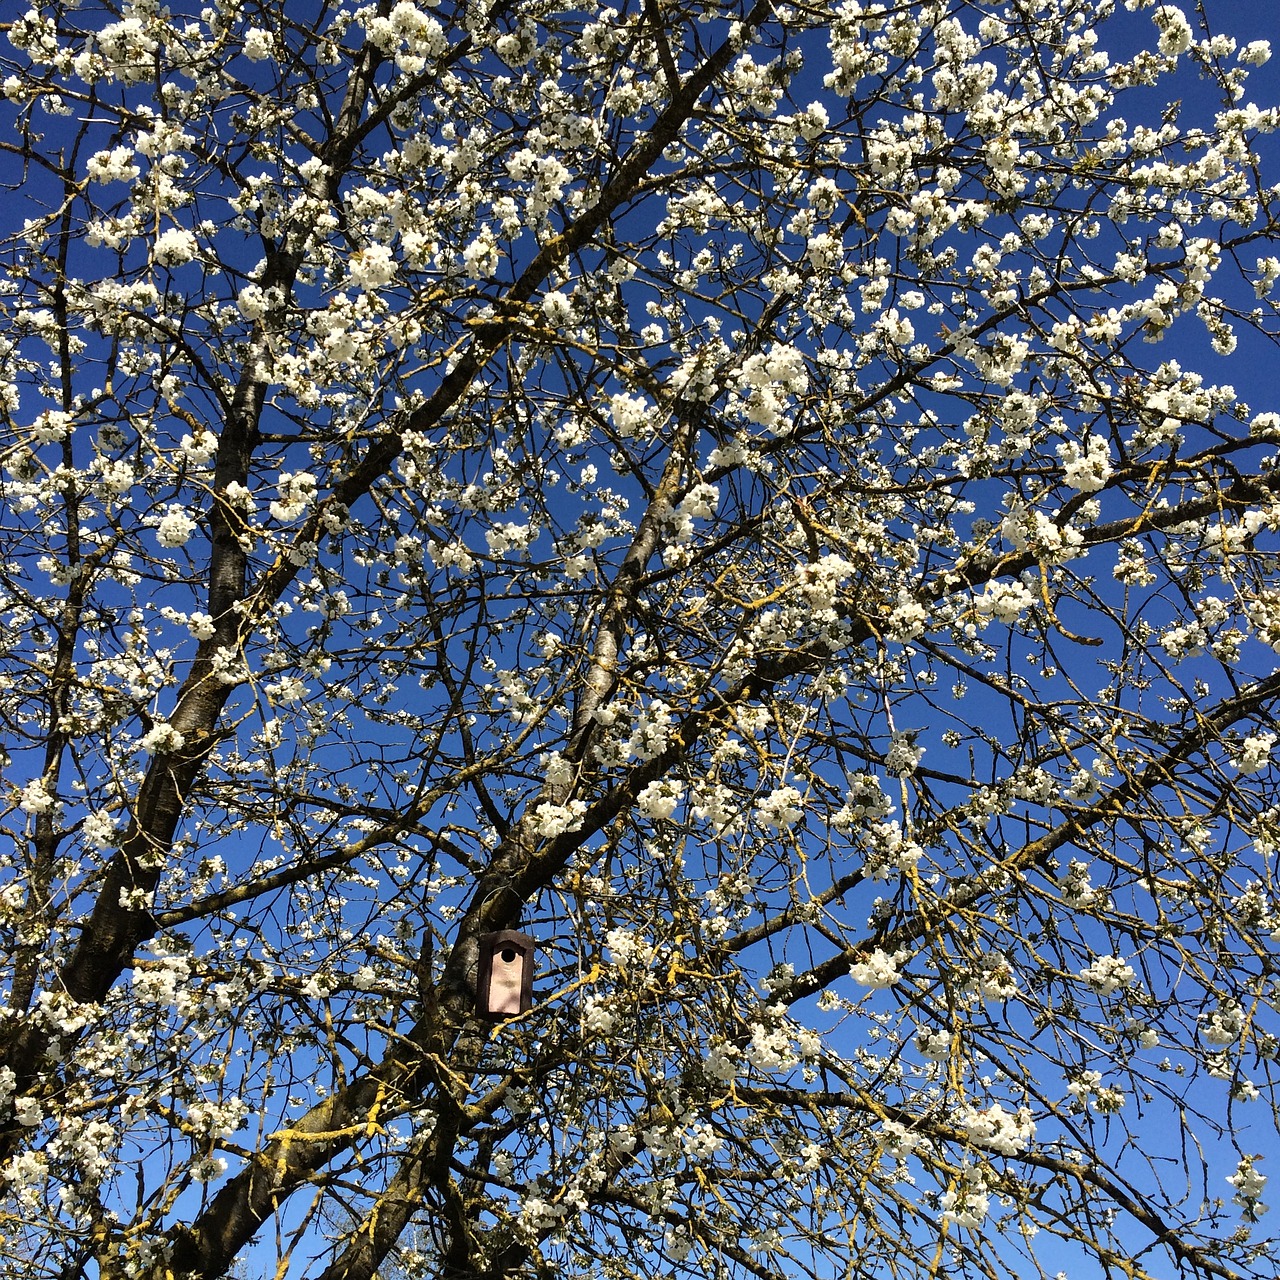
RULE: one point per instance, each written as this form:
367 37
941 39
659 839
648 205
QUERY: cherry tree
759 497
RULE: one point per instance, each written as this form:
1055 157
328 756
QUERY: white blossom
1248 1184
598 1016
27 1112
1005 601
175 528
36 799
659 799
783 807
770 1049
904 753
115 165
1086 469
297 493
174 247
51 427
967 1204
99 830
996 1129
879 969
934 1045
558 308
1222 1027
630 414
1254 754
258 44
1108 974
551 820
482 256
162 737
1175 30
372 267
627 948
908 620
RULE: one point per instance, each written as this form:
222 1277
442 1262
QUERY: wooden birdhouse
504 977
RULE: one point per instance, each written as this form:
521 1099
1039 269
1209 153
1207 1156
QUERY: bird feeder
504 977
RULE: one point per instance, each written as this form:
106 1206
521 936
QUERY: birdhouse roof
508 938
